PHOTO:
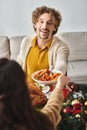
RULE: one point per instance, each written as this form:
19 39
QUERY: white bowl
45 82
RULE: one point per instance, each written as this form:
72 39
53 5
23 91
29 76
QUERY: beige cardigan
57 55
53 107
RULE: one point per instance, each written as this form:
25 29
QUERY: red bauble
65 93
76 111
67 109
77 106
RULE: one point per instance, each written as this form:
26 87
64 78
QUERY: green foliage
74 112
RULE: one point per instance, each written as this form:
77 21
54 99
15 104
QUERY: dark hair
16 110
43 9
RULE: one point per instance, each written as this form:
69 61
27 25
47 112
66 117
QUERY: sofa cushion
4 47
77 42
15 42
77 71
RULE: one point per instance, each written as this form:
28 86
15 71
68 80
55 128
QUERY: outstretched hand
62 81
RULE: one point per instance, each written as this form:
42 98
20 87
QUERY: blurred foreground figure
16 110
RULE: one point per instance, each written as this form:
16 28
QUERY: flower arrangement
74 109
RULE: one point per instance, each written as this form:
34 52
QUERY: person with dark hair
16 110
44 50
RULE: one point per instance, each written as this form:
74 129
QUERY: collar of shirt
47 45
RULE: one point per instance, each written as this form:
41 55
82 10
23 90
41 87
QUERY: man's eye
49 23
41 21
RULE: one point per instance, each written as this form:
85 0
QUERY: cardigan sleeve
24 48
58 55
53 107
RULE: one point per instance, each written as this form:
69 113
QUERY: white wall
15 15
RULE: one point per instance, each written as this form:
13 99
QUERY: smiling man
44 50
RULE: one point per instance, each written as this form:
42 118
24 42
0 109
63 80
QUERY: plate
45 88
45 81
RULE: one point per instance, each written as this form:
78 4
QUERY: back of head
11 76
14 96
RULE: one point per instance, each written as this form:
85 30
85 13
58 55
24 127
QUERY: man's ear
34 25
55 28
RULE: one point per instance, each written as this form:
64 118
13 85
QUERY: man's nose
45 24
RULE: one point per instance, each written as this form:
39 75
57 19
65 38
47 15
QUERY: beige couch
77 42
77 63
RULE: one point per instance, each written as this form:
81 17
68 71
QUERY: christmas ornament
85 103
75 101
74 109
